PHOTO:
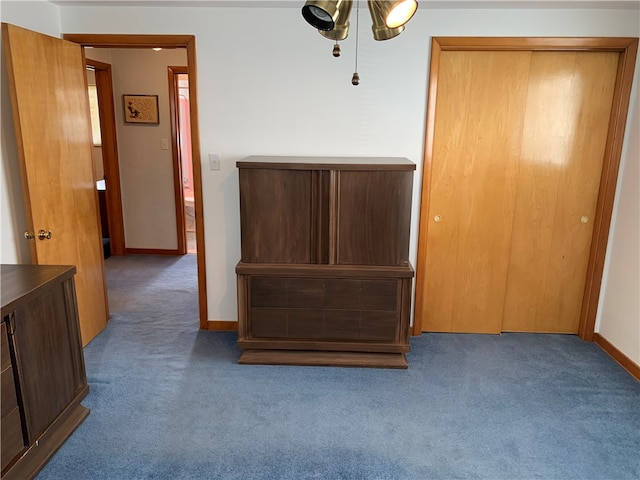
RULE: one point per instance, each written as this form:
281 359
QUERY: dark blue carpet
170 402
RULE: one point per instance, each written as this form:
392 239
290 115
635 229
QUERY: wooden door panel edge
110 154
174 118
170 41
627 47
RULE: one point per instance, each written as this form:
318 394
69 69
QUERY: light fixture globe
380 29
399 12
341 28
322 14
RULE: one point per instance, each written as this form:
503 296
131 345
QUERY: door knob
44 235
29 236
437 218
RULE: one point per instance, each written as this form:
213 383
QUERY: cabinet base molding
36 456
324 359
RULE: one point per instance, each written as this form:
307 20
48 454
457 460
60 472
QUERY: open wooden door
53 133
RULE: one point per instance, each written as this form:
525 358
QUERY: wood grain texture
312 345
324 255
110 160
222 326
324 313
330 309
627 49
565 130
35 457
325 271
423 228
24 283
374 217
326 163
608 183
47 365
129 41
11 438
535 43
481 98
324 359
8 392
47 83
178 175
47 382
275 216
4 345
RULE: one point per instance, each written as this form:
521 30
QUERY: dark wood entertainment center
324 277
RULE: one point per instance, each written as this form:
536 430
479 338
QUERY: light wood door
478 125
53 132
517 154
565 131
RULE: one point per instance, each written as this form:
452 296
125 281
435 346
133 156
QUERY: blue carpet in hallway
170 402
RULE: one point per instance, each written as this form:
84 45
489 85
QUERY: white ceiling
435 4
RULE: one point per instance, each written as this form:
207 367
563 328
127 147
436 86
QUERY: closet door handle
437 218
44 235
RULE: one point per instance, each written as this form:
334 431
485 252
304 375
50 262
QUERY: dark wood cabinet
43 373
324 277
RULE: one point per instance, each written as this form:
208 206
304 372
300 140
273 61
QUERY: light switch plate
214 161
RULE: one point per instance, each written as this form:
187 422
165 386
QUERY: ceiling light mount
331 17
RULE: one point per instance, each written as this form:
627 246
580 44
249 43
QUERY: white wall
619 309
269 90
146 170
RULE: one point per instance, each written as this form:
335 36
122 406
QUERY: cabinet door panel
374 215
276 216
47 379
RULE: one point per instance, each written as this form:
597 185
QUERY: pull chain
355 80
336 49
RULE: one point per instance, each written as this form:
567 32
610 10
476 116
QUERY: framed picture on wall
140 109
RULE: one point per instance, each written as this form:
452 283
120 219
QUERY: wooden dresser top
20 283
326 163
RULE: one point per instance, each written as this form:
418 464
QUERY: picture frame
140 109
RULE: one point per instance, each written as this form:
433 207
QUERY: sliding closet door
478 127
565 131
518 149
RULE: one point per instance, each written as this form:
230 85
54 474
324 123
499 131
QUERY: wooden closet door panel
565 130
276 216
478 125
373 218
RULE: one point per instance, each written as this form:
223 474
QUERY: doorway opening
188 43
183 159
